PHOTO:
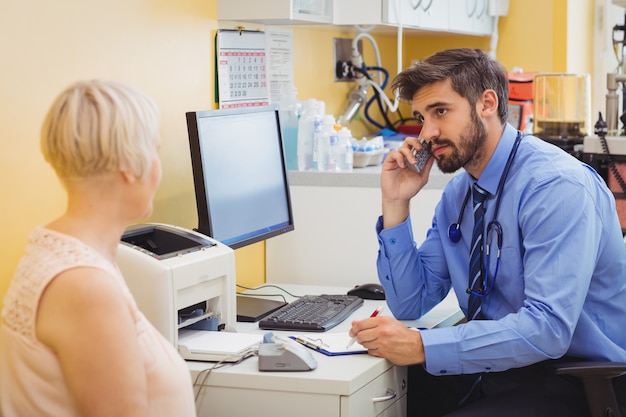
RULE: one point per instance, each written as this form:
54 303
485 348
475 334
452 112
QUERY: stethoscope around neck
494 226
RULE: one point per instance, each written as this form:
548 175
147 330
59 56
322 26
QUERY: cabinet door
483 23
417 14
361 12
470 17
462 14
405 11
433 15
276 12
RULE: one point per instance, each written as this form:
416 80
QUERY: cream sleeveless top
31 381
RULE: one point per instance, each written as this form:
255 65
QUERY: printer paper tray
211 346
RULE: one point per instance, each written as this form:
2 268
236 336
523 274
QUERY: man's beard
469 146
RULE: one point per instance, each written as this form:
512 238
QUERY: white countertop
334 374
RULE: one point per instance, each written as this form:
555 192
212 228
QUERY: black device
312 313
253 309
240 181
370 291
239 173
422 155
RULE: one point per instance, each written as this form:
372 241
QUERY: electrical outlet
343 59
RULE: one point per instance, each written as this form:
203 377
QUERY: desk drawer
397 409
234 402
387 390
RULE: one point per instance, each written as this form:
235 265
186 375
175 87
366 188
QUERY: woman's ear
488 103
128 177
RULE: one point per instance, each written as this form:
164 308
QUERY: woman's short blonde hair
97 127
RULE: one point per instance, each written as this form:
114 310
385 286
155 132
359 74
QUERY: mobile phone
422 155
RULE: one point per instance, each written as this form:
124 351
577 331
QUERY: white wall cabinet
430 15
276 12
459 16
363 12
470 17
413 14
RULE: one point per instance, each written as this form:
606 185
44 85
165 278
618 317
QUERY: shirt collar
490 177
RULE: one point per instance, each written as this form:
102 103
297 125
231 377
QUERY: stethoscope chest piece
454 232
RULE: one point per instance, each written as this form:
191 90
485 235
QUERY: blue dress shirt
561 283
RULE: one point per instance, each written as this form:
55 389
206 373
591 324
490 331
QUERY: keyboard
312 313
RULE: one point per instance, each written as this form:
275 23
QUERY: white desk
340 386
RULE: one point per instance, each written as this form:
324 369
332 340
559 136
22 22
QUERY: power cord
612 165
202 376
601 131
269 286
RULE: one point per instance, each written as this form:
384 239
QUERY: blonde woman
72 341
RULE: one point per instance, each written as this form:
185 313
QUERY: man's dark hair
470 70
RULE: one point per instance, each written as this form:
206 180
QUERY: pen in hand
374 314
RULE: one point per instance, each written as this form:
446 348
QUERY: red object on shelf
521 93
521 85
409 129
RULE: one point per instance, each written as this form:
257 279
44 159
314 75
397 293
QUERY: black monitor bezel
205 222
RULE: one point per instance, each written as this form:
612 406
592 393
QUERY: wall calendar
241 69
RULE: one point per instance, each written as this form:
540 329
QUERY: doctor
541 276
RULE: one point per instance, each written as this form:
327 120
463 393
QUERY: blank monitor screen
240 178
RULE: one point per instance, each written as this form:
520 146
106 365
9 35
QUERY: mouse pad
252 309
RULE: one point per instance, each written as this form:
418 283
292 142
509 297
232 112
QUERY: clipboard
330 344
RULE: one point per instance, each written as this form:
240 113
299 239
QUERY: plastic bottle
334 150
344 156
310 114
289 111
321 144
324 137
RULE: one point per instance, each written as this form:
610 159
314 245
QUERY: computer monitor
239 173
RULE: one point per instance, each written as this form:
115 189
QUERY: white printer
180 279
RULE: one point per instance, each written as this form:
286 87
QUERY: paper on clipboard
330 344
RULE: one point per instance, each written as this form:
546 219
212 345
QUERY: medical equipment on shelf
605 149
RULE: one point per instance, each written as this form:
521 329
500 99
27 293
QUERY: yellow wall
166 48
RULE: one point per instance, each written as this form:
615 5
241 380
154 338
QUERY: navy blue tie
477 263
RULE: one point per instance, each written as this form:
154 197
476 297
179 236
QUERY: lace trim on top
47 254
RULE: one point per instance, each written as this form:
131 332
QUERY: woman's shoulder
47 255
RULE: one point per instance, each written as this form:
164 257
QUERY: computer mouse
368 291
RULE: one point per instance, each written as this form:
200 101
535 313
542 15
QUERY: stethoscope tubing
454 231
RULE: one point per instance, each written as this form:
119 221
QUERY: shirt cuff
396 239
441 351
